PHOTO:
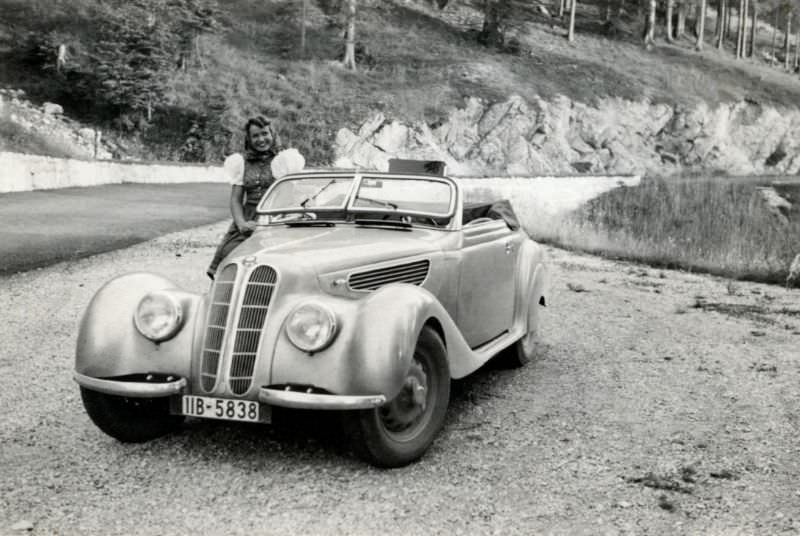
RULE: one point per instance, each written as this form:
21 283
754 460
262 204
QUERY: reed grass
720 225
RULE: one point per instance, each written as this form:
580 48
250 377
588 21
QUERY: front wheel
130 420
400 431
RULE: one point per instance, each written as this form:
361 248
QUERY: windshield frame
330 176
347 208
351 208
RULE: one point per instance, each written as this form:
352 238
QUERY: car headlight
311 327
158 316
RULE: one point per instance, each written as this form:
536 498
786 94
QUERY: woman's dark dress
257 179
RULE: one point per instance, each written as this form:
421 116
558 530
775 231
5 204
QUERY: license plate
222 408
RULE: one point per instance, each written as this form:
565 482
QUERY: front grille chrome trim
253 309
219 315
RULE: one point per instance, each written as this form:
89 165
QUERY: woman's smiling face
261 139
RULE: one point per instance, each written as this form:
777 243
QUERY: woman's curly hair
261 122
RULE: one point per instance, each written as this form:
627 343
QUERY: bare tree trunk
774 37
720 16
669 20
681 29
562 8
745 11
650 26
723 14
303 20
787 49
753 30
728 16
571 33
701 25
609 9
739 22
796 49
350 47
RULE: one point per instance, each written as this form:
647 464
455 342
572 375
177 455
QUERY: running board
489 349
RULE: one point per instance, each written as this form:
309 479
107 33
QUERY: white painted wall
23 172
538 196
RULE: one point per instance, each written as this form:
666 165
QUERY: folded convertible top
496 210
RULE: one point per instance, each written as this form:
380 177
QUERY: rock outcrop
49 122
560 136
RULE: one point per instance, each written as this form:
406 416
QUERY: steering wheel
477 221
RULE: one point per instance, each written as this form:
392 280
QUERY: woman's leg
229 242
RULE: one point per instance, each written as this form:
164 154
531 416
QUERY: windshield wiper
312 197
383 223
378 202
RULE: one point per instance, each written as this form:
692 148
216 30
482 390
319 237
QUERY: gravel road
662 403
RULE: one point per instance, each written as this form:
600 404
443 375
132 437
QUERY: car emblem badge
249 261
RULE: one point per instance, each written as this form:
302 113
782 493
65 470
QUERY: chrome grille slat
396 275
218 317
391 278
252 315
414 273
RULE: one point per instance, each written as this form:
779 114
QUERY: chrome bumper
131 389
300 400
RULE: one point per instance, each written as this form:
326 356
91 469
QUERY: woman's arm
237 210
234 169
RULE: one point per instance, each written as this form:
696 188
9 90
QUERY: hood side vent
413 273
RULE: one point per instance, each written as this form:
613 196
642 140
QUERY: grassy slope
424 62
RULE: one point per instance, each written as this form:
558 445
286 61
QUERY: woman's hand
246 227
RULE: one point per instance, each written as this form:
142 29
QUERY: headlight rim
177 324
332 318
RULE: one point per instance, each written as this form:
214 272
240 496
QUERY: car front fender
375 344
109 345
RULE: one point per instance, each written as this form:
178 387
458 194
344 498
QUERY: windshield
413 196
308 193
393 200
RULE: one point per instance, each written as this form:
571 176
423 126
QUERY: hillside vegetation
225 61
153 75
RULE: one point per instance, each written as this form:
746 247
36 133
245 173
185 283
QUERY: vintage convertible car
362 292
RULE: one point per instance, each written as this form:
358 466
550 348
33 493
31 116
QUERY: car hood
334 248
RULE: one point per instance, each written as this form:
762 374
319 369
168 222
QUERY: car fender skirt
132 389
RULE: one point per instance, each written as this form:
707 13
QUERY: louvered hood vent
411 272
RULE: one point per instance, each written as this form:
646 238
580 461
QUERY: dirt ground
662 402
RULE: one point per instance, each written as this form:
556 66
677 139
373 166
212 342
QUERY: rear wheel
400 431
130 420
524 350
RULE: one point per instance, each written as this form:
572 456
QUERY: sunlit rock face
522 138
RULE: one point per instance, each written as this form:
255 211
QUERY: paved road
47 226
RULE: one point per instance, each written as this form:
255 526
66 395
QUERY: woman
250 176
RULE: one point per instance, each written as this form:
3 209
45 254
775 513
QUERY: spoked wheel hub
409 411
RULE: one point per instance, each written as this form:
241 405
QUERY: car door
486 281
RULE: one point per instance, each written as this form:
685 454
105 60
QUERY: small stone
574 287
51 108
624 504
23 525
